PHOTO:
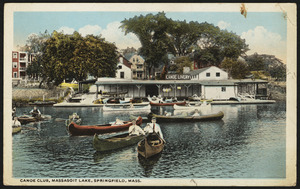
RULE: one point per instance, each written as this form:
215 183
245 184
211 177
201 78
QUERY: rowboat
151 145
192 107
24 119
115 142
167 104
16 129
207 117
77 130
127 108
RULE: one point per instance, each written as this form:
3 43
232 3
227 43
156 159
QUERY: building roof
196 72
113 81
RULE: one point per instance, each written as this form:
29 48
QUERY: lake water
248 143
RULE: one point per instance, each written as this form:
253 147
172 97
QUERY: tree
152 31
278 72
74 56
35 42
237 69
180 63
255 62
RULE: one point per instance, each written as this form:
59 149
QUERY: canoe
115 142
77 130
127 108
192 107
16 129
167 104
207 117
27 119
151 145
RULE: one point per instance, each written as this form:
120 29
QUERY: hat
153 118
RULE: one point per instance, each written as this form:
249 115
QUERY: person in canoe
14 112
153 127
16 122
75 118
35 112
168 113
196 113
118 122
135 130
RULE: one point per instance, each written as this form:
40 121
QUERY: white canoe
127 108
192 107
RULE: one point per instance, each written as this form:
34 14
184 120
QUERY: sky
264 32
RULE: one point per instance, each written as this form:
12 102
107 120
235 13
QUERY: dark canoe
77 130
208 117
167 104
151 145
16 129
115 142
27 119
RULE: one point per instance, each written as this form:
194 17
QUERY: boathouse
183 88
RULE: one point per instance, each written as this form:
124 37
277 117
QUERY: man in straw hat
153 127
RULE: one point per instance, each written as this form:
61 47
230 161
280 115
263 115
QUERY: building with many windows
20 62
138 67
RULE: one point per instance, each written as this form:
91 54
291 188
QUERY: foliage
74 56
152 31
129 50
237 69
35 42
278 72
255 62
180 63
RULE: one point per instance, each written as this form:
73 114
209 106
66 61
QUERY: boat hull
151 145
167 104
208 117
77 130
15 130
127 108
116 142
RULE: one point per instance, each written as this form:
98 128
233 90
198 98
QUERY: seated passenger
35 112
168 113
16 122
196 113
135 130
118 122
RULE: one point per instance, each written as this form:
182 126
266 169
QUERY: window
139 75
218 74
133 59
119 67
15 74
15 64
122 75
207 74
223 89
15 55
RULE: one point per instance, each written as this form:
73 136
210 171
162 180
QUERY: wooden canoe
16 129
192 107
151 145
208 117
27 119
115 142
167 104
77 130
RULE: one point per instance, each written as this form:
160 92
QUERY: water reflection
149 163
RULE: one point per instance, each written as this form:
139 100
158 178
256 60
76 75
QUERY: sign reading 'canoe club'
178 77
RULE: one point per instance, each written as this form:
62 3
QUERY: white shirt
149 129
135 130
16 123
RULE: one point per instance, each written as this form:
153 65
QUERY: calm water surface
248 143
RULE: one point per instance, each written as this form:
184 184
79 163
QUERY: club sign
178 77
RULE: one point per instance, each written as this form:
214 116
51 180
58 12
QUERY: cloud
66 30
89 29
114 34
262 41
223 25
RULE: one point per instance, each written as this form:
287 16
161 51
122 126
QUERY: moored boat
24 119
192 107
76 130
16 129
151 145
207 117
167 103
115 142
127 108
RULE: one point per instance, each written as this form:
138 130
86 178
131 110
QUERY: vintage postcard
146 94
